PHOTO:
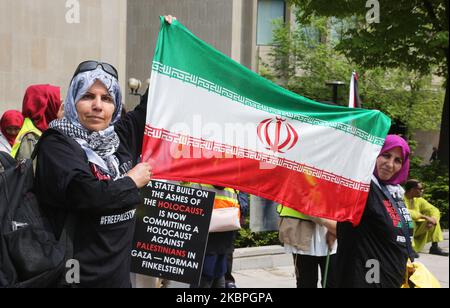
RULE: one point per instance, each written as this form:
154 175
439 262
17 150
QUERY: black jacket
104 210
374 253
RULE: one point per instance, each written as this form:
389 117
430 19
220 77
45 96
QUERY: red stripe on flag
305 193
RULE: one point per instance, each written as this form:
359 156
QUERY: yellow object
285 211
422 234
419 206
418 276
27 127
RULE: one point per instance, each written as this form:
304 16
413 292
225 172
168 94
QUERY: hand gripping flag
211 120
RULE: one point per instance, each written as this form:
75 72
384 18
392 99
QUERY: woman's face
389 163
96 108
417 191
12 130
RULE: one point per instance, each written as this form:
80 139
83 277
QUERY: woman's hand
141 174
169 19
331 239
431 221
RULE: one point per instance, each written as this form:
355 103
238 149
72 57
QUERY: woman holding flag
88 176
374 253
85 175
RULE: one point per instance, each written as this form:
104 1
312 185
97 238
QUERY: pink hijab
393 141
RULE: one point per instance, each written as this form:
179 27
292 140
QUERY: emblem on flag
277 135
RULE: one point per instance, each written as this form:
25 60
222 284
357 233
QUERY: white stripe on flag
206 115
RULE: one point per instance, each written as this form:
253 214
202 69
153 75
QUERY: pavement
270 267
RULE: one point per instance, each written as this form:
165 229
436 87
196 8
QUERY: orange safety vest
227 197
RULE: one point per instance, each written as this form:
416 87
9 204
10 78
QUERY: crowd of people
88 167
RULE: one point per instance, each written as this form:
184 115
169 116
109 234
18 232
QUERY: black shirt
374 253
104 210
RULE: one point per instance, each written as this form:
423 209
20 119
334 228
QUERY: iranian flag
211 120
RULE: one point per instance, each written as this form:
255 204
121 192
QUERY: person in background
220 244
10 124
381 242
41 105
309 246
243 199
426 219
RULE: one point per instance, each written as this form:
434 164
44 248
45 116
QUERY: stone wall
210 20
42 42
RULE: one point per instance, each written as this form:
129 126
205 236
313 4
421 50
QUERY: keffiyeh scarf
98 146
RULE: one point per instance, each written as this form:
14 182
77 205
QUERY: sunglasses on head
92 65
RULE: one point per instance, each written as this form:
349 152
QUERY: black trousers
306 271
208 283
228 275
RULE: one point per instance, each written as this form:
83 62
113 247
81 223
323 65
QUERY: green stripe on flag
179 54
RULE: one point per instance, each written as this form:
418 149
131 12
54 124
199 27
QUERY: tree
411 33
302 61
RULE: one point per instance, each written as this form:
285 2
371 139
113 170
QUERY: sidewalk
270 267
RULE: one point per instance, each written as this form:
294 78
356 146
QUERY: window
268 10
338 27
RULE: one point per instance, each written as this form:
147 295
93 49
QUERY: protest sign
171 232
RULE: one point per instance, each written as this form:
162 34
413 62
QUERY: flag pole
325 276
354 101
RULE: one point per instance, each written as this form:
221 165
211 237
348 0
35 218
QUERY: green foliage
302 63
434 178
412 33
403 95
247 238
264 71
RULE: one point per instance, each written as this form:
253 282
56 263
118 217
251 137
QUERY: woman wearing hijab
10 125
88 172
374 253
41 105
85 169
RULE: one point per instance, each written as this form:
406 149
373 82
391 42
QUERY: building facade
42 41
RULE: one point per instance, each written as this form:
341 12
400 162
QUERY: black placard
171 232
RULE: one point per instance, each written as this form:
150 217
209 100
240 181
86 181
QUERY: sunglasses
87 66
